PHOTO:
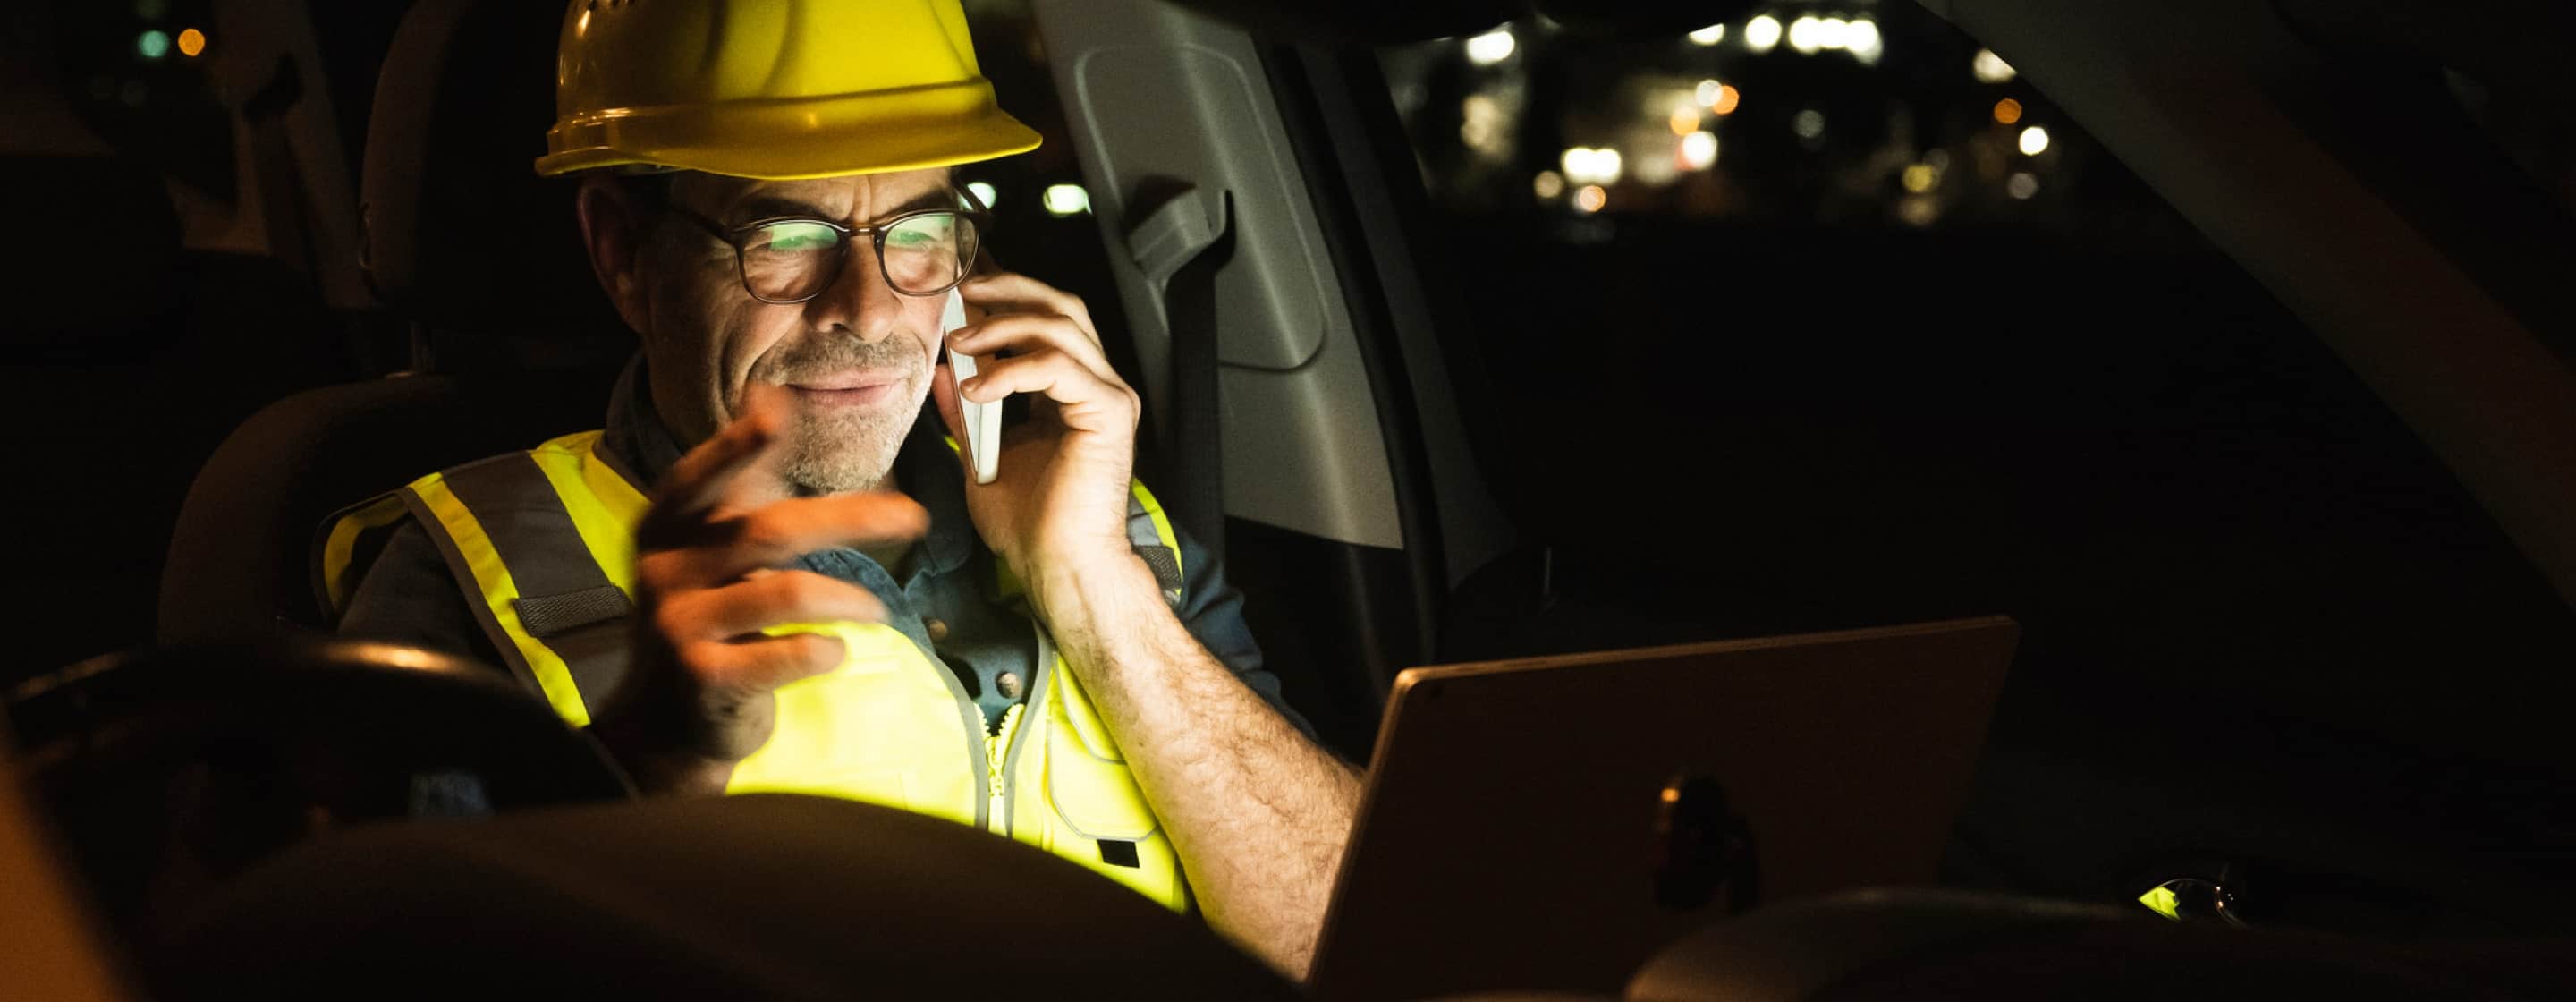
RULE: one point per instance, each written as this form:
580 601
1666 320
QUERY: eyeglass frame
734 236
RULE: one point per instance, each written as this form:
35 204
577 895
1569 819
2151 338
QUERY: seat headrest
460 232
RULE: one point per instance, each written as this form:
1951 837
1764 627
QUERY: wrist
1071 590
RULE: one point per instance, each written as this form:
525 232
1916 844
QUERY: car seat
512 342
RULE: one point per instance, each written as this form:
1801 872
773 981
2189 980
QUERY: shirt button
1009 684
937 629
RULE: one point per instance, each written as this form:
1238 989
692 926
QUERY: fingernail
970 385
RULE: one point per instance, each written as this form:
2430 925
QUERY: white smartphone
983 421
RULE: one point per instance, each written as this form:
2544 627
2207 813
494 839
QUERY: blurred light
1586 165
1483 126
1809 124
1864 41
1491 47
1710 35
1727 97
1918 210
2007 111
1920 178
2034 141
2023 184
983 192
151 10
154 44
133 93
1990 68
191 42
1066 199
1939 159
1548 184
1591 198
1683 121
1706 93
1761 33
1802 35
1832 33
1577 162
1699 150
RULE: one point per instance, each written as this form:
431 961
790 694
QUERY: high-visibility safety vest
545 540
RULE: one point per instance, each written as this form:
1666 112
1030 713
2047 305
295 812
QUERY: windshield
1826 317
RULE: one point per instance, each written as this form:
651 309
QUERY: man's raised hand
697 697
1059 504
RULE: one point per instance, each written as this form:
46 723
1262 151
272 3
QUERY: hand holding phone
983 421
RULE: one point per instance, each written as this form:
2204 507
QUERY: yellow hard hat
774 89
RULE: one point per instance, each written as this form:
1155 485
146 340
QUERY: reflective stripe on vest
544 543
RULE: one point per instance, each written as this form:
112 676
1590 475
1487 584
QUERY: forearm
1258 812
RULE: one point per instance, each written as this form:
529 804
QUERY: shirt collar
930 472
644 449
634 439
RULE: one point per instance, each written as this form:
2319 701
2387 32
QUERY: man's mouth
847 389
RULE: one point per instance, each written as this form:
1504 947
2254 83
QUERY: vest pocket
1094 813
1096 797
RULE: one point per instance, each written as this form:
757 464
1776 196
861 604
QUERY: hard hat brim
796 138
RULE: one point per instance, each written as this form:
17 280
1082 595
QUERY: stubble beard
836 453
839 451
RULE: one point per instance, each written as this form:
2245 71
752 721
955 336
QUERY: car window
1825 317
1042 213
1884 117
132 77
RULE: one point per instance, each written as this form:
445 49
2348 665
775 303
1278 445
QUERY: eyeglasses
793 259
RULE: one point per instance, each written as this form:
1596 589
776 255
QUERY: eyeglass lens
797 259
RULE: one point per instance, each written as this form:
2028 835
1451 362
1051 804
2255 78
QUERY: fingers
1025 333
943 395
763 663
1085 401
713 473
715 552
1004 292
762 601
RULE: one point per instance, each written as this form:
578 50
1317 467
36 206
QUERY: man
815 597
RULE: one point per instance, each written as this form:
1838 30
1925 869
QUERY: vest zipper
998 745
996 756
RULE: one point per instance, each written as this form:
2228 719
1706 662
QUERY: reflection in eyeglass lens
794 259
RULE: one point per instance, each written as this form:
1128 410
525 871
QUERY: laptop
1550 823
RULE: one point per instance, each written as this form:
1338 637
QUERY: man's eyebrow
936 198
759 207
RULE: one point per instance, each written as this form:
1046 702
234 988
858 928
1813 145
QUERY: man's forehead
846 197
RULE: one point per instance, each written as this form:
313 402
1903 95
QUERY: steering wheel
169 770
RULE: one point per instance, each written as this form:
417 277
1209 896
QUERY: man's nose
858 301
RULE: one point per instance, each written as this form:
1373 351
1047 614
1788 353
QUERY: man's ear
612 230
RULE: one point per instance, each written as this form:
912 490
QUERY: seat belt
1180 247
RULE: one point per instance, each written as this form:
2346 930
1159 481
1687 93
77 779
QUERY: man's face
857 358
